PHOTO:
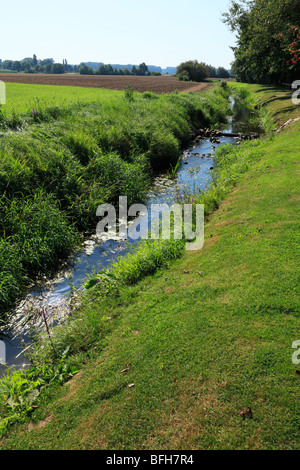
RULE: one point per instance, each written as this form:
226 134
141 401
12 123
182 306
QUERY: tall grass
59 164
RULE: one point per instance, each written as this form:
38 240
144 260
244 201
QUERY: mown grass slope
175 358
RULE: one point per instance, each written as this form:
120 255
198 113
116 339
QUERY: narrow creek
57 296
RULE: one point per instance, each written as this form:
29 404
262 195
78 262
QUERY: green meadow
170 348
21 98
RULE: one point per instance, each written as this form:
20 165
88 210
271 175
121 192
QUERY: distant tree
34 60
86 70
100 70
66 66
69 68
58 68
134 70
25 65
212 71
222 73
46 62
104 70
183 76
7 64
16 65
48 68
194 70
28 68
142 69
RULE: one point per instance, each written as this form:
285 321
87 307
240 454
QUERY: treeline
34 65
103 69
267 45
194 71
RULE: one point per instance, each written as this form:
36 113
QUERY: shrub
183 76
163 151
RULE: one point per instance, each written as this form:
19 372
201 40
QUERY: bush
163 151
183 76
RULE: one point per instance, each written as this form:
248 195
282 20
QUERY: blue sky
158 32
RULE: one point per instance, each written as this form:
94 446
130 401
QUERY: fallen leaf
131 385
249 412
124 370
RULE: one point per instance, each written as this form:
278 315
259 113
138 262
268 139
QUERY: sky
157 32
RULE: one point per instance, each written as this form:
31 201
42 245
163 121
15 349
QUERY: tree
16 65
260 54
212 71
46 62
86 70
195 71
134 70
48 68
7 64
58 68
222 73
142 69
183 76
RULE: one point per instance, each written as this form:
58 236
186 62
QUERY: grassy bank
60 158
169 362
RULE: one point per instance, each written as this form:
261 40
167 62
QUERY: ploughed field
160 84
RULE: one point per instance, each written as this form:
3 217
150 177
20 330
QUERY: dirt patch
161 84
287 123
170 290
40 424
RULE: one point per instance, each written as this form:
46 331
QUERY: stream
192 176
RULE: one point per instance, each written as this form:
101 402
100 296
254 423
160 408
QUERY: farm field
22 97
160 84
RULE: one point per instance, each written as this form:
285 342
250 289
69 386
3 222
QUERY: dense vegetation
197 72
267 40
59 162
